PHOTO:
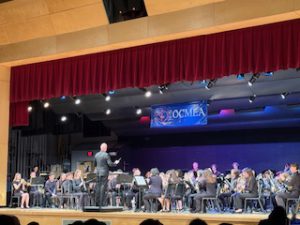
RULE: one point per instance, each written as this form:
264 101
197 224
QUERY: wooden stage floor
64 217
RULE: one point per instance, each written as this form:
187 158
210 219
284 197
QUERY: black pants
239 198
198 200
225 198
282 196
36 198
148 197
101 188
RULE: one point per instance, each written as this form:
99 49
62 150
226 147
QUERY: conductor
102 164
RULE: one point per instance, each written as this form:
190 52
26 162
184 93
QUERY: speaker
102 209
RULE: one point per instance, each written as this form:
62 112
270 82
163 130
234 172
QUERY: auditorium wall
258 156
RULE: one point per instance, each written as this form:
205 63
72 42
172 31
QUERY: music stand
37 181
124 179
141 183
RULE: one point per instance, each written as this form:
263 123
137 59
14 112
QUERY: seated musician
35 193
20 189
179 193
279 184
60 181
198 186
228 189
249 190
235 166
265 180
155 190
50 191
36 169
113 190
195 170
214 170
293 186
172 181
132 195
79 188
67 187
210 183
165 178
189 188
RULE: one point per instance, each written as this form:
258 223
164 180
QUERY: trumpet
24 182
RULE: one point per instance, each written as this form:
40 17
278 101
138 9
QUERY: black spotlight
253 79
284 95
163 88
252 98
210 84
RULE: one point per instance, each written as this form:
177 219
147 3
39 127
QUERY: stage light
108 111
240 76
112 92
210 84
46 105
77 101
29 108
139 111
252 98
268 74
107 97
253 79
163 88
284 94
63 119
148 94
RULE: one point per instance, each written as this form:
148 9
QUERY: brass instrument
83 184
25 183
226 186
241 185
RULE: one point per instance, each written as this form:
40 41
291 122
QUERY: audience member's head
264 222
9 220
278 216
77 223
225 224
93 222
197 222
151 222
33 223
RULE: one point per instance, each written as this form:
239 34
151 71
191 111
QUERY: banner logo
179 115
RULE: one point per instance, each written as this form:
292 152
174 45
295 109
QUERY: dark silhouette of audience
277 217
9 220
77 223
93 222
33 223
151 222
225 224
197 222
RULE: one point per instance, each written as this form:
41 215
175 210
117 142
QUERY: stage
64 217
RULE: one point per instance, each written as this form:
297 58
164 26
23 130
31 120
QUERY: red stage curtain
256 49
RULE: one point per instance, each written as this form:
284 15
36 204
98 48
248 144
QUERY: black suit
102 164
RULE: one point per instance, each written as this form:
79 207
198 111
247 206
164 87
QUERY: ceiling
228 93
